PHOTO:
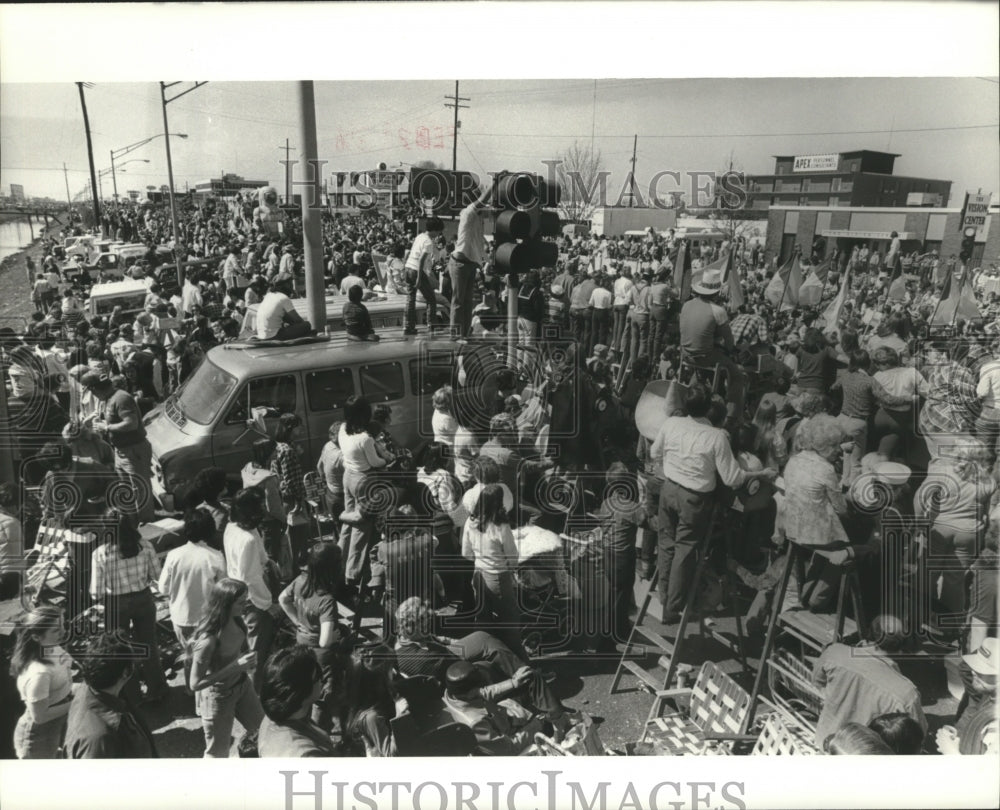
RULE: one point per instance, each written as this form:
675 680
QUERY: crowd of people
861 436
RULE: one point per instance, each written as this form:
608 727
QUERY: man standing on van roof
418 274
276 316
468 256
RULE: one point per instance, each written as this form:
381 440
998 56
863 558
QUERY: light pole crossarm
184 93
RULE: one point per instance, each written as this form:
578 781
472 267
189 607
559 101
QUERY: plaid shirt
112 574
748 328
952 404
285 465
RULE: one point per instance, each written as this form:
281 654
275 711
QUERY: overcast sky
942 128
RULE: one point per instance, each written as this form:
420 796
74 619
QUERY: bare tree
582 180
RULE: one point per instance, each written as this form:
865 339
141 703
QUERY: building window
835 184
834 202
847 185
805 183
779 169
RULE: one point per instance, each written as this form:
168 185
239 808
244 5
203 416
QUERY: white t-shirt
271 313
50 682
350 281
423 245
601 298
444 426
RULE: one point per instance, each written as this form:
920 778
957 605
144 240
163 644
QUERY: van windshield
205 392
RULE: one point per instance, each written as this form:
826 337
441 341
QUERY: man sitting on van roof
276 316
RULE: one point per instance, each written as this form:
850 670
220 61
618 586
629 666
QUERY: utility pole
170 171
69 199
90 157
456 105
631 177
312 225
288 173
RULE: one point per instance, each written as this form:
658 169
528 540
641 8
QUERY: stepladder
786 670
644 640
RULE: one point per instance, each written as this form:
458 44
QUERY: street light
117 153
111 171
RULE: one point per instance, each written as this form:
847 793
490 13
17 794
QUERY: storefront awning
848 234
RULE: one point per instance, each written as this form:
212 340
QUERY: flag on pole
684 262
811 291
734 285
790 294
776 286
822 270
957 302
832 314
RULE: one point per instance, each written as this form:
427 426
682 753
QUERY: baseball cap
94 379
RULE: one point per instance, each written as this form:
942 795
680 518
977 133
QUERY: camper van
384 312
129 294
210 420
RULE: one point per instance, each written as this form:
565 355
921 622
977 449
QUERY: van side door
327 391
431 369
233 437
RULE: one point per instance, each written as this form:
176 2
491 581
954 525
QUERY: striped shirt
113 574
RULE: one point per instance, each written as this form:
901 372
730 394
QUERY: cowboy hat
985 660
710 284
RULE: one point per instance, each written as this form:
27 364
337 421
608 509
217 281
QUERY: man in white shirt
286 266
352 279
467 257
418 275
189 573
276 316
622 298
600 313
246 560
190 296
695 457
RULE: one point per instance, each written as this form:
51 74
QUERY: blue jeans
220 705
463 282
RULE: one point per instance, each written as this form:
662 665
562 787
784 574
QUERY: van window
328 390
204 392
270 392
382 383
430 371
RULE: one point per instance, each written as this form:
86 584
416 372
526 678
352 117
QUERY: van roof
334 304
241 357
118 288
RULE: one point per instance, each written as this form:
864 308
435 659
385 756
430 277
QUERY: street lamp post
118 153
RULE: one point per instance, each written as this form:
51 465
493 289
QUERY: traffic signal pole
511 321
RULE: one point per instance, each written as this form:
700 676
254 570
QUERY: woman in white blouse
489 542
361 455
443 421
44 681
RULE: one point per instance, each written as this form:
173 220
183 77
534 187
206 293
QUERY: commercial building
843 228
861 178
229 185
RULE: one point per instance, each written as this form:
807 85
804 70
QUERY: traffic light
968 243
522 223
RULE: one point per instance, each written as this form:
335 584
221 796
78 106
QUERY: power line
736 134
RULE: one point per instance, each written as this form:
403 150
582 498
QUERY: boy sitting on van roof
357 321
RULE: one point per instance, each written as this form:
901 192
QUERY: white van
129 294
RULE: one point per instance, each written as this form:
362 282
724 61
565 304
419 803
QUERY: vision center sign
977 215
815 163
